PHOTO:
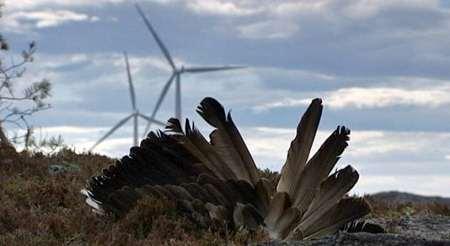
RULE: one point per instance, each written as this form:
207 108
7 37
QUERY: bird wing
198 146
347 210
331 191
319 167
300 147
227 141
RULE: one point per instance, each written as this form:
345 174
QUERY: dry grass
391 210
42 209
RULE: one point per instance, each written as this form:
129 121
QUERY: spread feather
218 182
300 147
228 141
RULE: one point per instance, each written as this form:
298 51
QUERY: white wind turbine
134 115
176 72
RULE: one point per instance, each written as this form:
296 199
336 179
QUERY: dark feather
319 167
219 182
300 147
228 141
363 226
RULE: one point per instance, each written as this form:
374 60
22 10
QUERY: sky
381 67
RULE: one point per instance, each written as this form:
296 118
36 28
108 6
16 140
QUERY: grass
42 209
385 209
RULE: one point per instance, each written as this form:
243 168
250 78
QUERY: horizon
380 68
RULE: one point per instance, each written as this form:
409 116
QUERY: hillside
42 205
404 197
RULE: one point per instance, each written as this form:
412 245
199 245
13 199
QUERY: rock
431 227
409 230
63 168
366 239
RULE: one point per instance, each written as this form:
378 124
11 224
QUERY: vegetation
390 210
43 209
16 107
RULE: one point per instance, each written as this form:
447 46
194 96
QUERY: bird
221 179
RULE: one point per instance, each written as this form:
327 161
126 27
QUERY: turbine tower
176 72
134 115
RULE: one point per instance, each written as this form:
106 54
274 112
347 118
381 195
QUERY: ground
42 205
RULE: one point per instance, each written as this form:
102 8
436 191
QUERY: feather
247 216
179 192
287 221
219 181
219 199
227 141
217 212
363 226
331 191
222 188
263 191
197 191
319 167
347 210
199 147
300 147
278 205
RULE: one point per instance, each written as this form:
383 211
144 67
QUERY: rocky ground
363 239
431 227
422 228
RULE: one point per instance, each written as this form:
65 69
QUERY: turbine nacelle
180 70
177 71
135 114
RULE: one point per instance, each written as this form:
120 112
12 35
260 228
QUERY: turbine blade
121 123
178 98
155 36
130 82
151 120
210 69
158 103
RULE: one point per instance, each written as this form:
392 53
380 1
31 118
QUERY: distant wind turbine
134 115
176 72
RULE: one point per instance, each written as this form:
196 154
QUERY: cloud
292 8
379 156
378 97
36 4
373 152
221 7
23 21
33 4
82 139
269 146
386 97
268 30
239 8
367 9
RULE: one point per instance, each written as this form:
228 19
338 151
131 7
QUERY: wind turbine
176 72
134 115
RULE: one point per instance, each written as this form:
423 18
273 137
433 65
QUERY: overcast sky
382 68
